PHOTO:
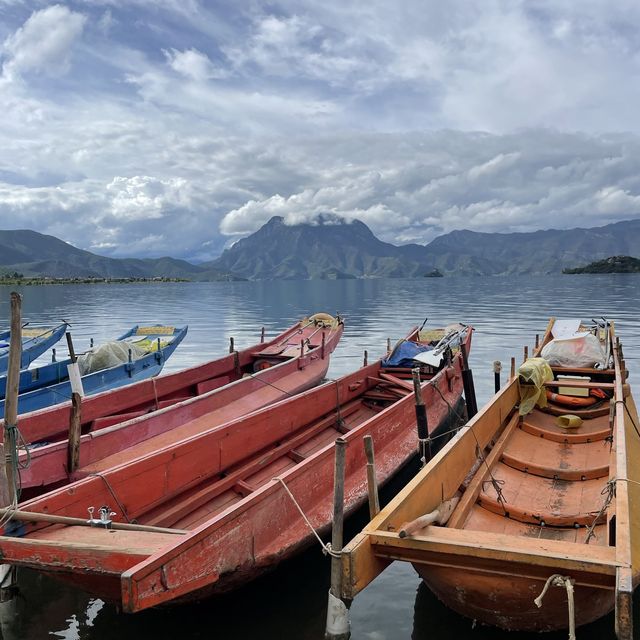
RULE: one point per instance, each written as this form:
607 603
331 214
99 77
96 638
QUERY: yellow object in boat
569 421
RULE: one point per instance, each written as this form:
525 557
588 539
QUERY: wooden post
526 353
388 345
421 418
537 342
72 353
75 426
8 452
513 369
262 335
9 484
372 483
497 368
53 355
337 626
467 384
323 347
231 346
365 361
338 515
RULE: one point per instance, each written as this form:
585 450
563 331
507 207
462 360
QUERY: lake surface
290 603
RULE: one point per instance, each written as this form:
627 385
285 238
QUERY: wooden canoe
35 341
148 348
219 500
131 421
537 502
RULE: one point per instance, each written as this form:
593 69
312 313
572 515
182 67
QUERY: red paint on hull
122 424
225 487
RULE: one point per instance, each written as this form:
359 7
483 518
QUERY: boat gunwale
48 449
65 407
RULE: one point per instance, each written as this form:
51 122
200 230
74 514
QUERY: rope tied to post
556 580
326 547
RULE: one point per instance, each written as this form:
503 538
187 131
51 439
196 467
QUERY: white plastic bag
581 350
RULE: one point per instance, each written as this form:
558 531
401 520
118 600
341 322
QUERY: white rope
557 580
326 548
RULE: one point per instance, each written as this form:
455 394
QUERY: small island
434 274
613 264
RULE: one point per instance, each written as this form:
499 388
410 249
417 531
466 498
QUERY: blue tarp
404 353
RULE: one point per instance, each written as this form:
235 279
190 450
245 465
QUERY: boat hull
507 601
218 400
233 495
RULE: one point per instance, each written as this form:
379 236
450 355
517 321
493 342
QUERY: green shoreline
26 281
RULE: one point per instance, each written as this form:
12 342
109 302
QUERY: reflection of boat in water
529 520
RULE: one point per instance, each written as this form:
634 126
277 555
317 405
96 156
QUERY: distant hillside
328 250
334 248
539 252
614 264
36 254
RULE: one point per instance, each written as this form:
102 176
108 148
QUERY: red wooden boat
121 424
212 511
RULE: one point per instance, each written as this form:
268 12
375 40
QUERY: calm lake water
290 603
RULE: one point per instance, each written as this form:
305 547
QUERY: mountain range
333 249
35 254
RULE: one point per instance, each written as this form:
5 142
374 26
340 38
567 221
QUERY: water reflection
290 603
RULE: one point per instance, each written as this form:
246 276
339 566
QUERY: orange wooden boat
213 510
516 503
124 423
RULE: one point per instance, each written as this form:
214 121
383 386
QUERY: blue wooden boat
35 341
138 354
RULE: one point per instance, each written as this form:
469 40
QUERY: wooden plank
545 338
472 492
502 548
397 381
580 384
438 481
175 512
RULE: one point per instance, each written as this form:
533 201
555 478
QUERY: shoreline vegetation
19 279
613 264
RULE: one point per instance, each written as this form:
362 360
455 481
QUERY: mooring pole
262 335
372 483
9 488
231 346
424 445
497 368
467 384
337 627
526 353
75 432
8 474
513 369
365 360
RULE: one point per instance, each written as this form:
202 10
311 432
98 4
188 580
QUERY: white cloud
145 197
193 64
43 44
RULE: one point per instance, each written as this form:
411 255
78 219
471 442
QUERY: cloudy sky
173 127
